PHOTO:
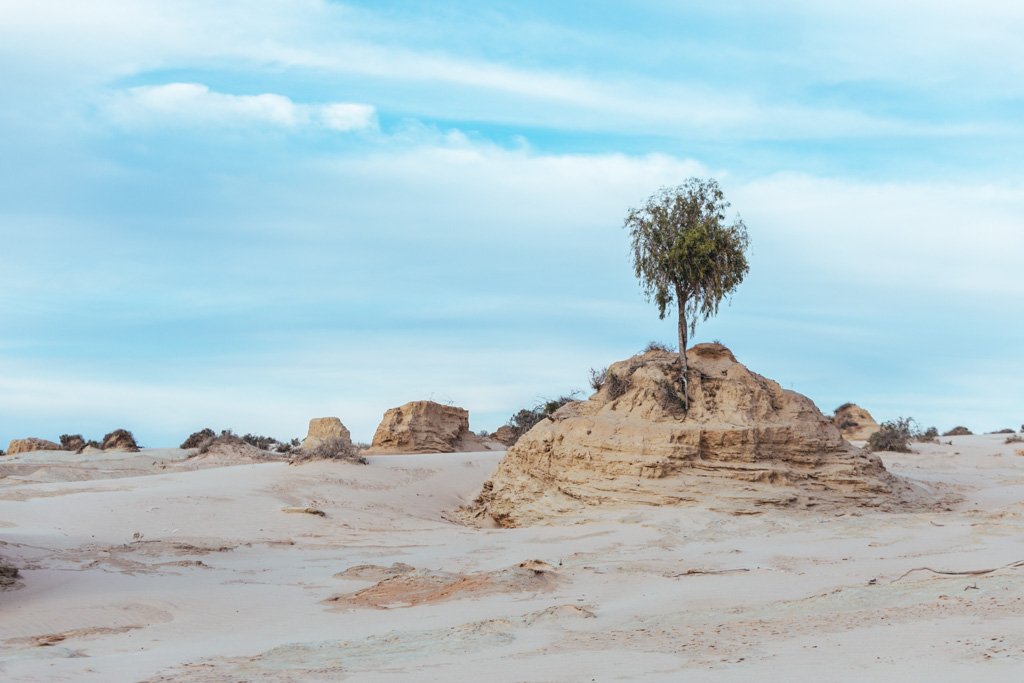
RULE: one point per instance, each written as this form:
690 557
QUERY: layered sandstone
31 444
327 430
422 427
854 423
743 443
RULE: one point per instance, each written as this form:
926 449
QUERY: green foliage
524 420
894 435
684 253
930 435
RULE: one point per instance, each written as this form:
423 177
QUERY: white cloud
196 104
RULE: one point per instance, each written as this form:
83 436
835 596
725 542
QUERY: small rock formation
855 423
423 427
958 431
324 430
119 440
504 435
31 444
744 443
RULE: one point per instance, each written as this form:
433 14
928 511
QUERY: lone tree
685 254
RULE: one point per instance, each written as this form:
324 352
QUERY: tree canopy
684 252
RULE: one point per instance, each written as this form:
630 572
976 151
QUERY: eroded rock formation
119 440
324 430
422 427
854 423
744 443
31 444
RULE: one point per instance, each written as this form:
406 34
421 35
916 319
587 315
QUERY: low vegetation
72 442
199 439
958 431
1014 438
658 346
894 435
329 449
120 439
206 438
524 420
930 435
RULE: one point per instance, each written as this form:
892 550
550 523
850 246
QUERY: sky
247 214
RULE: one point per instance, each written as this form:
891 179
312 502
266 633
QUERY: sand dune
151 567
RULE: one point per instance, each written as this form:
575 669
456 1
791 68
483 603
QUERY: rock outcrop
327 430
31 444
744 443
854 423
422 427
504 435
119 440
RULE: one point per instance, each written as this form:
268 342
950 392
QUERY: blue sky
248 214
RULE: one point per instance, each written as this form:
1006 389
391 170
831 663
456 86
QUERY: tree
685 254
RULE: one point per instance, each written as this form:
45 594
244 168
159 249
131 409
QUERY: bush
198 439
598 378
1014 439
524 420
930 435
658 346
844 407
330 449
264 443
958 431
3 452
72 442
894 436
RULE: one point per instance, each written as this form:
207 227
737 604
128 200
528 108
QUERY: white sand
201 576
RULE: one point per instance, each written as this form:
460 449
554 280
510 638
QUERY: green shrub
930 435
958 431
524 420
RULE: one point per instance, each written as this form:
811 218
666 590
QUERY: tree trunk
681 300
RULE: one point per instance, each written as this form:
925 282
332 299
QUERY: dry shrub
598 378
72 442
329 449
958 431
1014 439
1020 451
658 346
894 436
120 439
199 439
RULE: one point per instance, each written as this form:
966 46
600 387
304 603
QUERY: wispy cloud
184 104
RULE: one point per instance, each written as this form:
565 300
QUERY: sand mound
745 442
31 444
120 440
421 427
854 422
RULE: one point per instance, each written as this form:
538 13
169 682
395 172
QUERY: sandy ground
137 567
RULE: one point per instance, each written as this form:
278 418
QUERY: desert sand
150 567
